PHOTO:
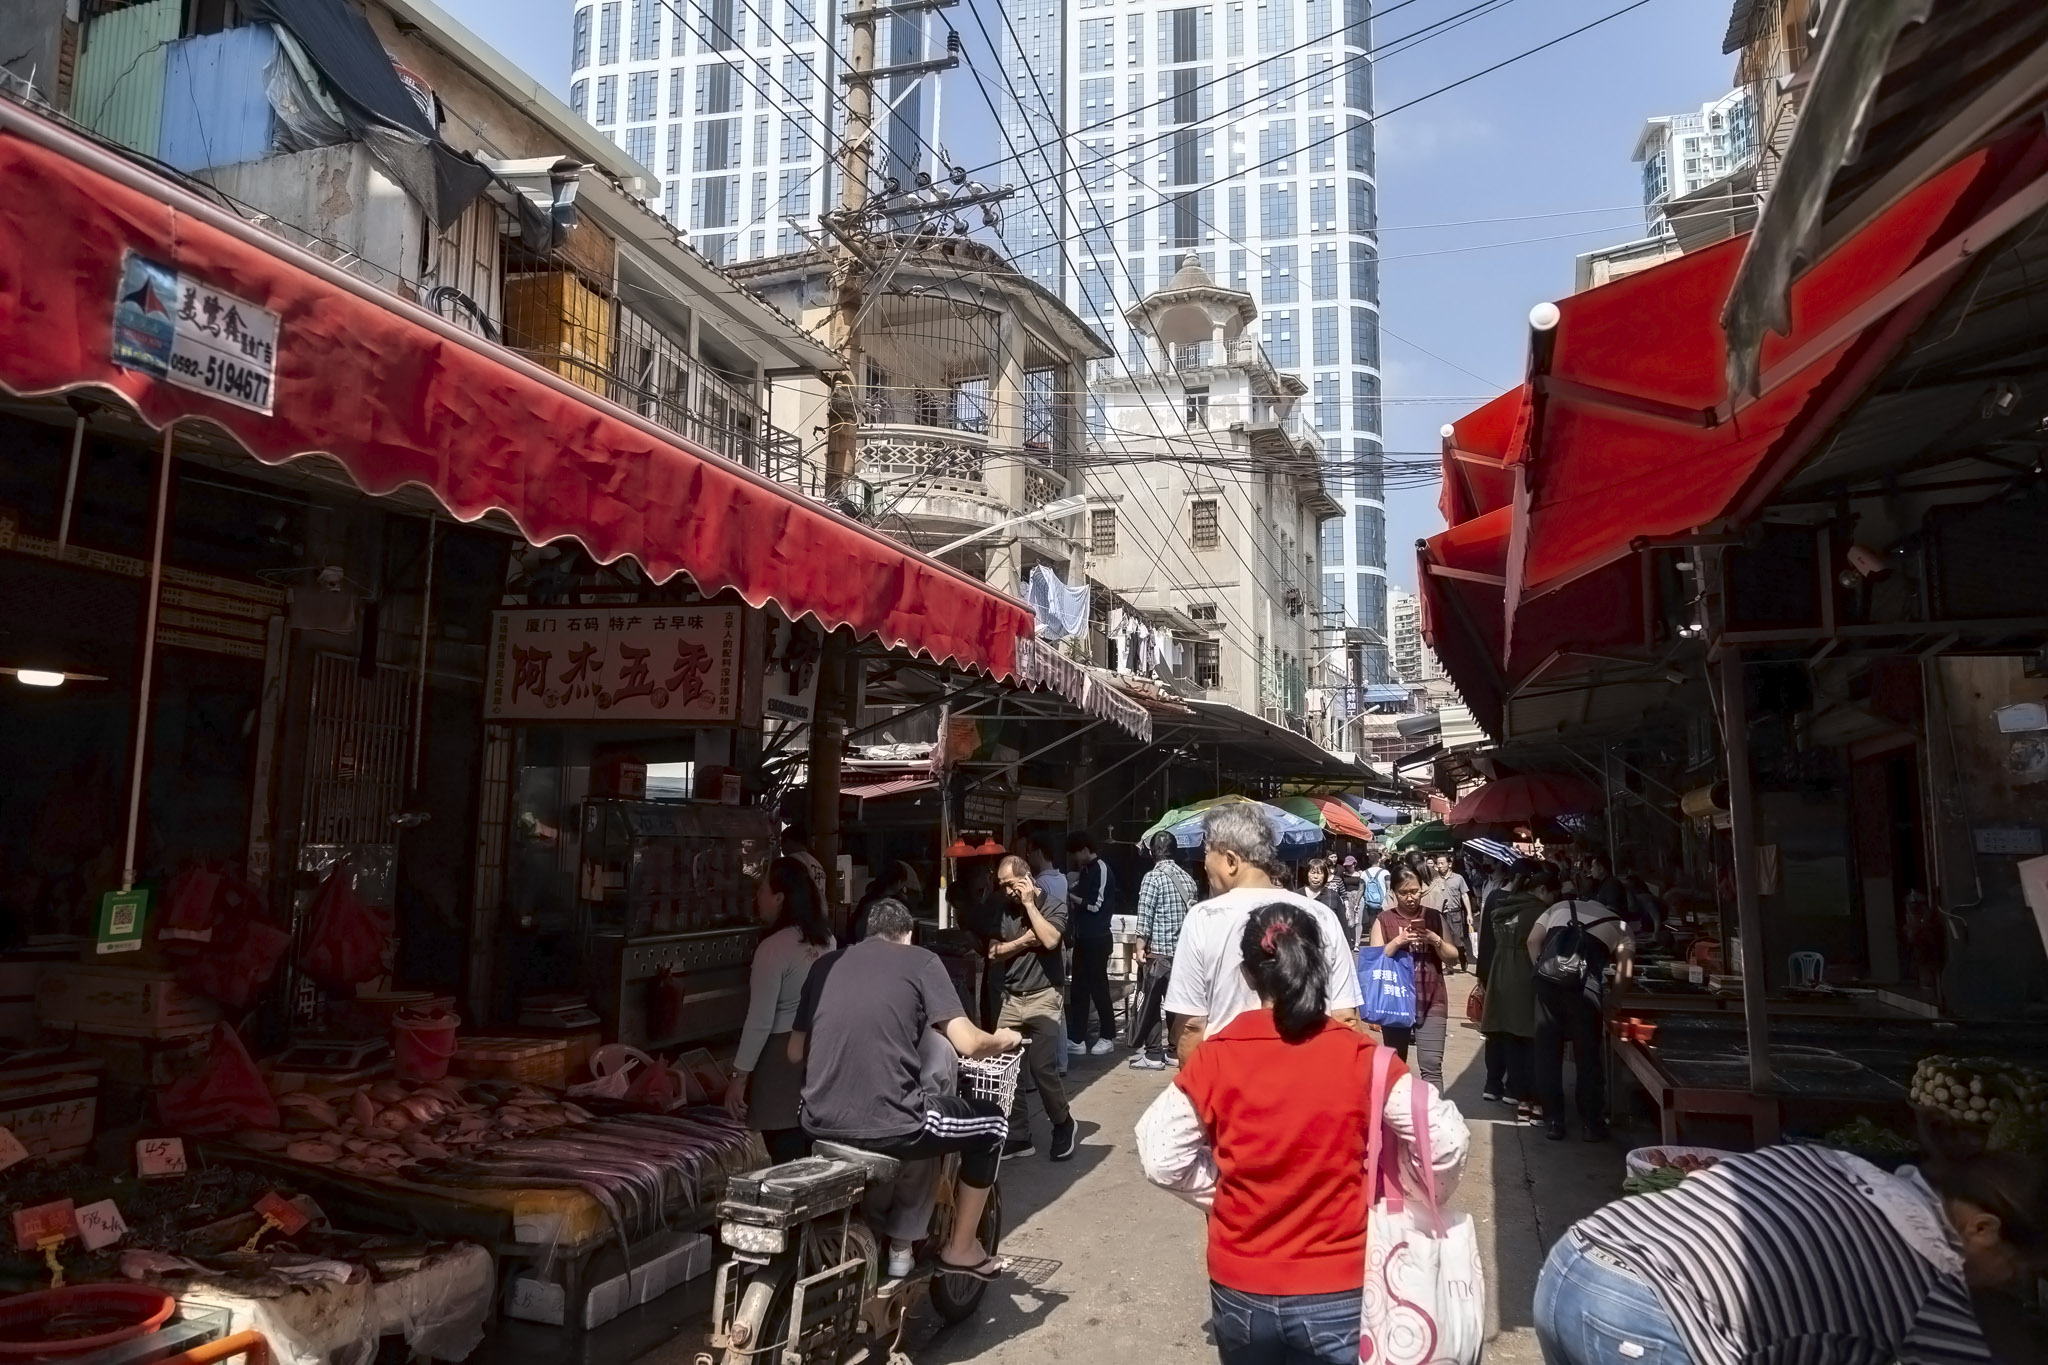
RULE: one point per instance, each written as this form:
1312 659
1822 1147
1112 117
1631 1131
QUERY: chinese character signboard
616 663
179 329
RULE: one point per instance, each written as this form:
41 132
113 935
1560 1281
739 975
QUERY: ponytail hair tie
1275 931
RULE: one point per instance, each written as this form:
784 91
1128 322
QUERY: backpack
1374 892
1572 956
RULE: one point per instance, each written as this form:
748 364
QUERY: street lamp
1060 507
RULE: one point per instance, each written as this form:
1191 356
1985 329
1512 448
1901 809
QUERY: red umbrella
1527 799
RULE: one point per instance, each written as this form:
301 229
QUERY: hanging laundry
1062 611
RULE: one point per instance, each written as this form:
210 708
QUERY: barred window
1208 662
1102 531
1204 531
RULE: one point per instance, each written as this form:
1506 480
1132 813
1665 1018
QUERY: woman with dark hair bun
766 1085
1266 1130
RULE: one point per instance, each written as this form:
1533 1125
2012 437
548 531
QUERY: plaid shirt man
1164 897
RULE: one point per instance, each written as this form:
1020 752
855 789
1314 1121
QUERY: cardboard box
535 1299
128 1001
51 1105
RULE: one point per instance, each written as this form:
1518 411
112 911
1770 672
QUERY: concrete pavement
1130 1286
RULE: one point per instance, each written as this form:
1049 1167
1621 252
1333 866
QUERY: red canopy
1477 475
399 396
1635 434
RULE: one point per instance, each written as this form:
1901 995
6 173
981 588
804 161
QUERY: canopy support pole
71 487
1742 836
156 584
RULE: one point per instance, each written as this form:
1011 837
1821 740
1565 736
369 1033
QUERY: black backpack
1572 956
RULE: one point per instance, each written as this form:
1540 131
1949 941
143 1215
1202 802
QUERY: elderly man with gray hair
1207 989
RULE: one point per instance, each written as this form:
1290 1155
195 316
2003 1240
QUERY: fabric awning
398 396
1634 433
1477 477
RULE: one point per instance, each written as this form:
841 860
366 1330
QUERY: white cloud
1418 141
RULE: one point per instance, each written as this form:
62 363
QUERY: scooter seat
881 1169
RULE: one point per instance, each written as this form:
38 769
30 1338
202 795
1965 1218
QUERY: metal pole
1742 838
156 583
419 701
71 486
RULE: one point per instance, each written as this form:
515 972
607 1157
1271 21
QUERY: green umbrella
1431 836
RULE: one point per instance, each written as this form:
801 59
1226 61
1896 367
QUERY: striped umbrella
1494 849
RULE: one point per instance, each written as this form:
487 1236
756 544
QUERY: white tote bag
1425 1287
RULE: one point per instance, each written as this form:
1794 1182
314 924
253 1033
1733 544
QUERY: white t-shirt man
1206 980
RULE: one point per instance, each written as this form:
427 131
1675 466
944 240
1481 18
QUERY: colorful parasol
1430 836
1291 833
1335 817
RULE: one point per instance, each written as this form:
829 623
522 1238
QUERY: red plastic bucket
422 1044
79 1318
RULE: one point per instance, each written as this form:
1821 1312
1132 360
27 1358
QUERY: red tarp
1477 477
399 397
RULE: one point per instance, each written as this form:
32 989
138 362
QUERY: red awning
1477 476
1634 433
399 397
1462 577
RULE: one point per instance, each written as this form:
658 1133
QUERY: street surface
1130 1286
1116 1266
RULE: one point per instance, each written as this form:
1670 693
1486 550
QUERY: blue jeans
1590 1312
1285 1329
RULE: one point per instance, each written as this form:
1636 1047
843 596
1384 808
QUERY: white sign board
180 329
101 1225
623 663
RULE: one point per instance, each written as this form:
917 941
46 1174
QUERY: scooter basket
992 1078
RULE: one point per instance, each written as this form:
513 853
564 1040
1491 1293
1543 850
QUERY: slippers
990 1268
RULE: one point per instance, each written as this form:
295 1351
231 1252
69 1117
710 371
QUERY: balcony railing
928 461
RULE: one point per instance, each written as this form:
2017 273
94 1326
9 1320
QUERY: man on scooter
869 1007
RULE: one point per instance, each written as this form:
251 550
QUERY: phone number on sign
226 378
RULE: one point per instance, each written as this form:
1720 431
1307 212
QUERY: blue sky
1533 144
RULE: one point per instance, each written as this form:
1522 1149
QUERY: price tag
101 1225
45 1223
159 1157
11 1150
282 1212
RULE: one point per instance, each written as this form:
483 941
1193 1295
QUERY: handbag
1425 1286
1475 1005
1387 983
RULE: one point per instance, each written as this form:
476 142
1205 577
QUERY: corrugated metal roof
118 90
1739 24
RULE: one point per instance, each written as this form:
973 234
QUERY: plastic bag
346 937
219 937
227 1093
1387 981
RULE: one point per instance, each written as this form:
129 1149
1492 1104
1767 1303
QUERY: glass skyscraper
1239 130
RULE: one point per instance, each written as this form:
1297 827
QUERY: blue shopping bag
1388 983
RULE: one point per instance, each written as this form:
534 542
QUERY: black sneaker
1066 1137
1019 1146
1595 1132
1556 1130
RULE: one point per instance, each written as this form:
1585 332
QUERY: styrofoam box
538 1300
1123 926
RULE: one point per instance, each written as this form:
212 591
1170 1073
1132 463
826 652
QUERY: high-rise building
1683 153
735 106
1239 130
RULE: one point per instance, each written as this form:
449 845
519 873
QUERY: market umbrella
1526 800
1373 810
1290 832
1430 836
1494 849
1332 815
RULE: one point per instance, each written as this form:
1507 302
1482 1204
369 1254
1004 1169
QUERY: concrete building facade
1219 546
1240 131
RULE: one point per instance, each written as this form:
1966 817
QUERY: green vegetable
1653 1181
